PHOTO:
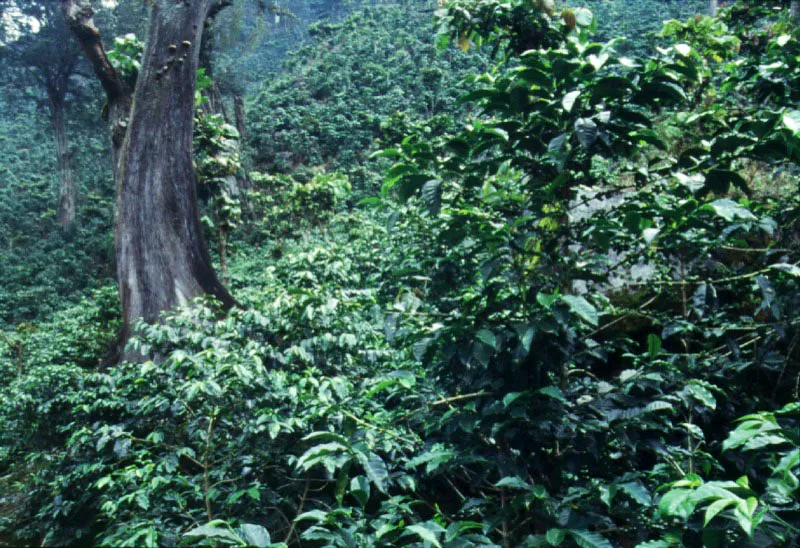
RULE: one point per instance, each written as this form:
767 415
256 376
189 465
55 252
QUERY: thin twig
299 511
447 401
377 428
624 317
206 486
693 281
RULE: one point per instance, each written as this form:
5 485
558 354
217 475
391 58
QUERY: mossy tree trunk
162 256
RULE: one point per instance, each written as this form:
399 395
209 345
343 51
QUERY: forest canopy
512 273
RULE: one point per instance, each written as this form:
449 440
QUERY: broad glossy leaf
555 537
586 130
428 531
487 337
513 482
432 195
588 539
715 508
791 120
730 210
359 488
212 531
582 308
637 492
569 100
255 535
677 502
791 269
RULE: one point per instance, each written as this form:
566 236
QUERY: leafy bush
327 106
567 321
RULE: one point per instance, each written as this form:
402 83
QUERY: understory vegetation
502 279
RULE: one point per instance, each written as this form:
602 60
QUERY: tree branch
218 7
78 15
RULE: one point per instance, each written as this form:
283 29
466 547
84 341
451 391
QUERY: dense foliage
39 265
367 77
567 316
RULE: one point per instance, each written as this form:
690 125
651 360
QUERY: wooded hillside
512 273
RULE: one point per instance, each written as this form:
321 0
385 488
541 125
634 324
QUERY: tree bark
794 9
713 6
162 256
79 18
241 128
67 192
238 107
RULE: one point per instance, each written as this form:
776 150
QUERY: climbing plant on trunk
162 257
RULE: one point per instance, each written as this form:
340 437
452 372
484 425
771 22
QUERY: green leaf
211 531
730 210
610 87
569 100
607 494
428 531
677 502
511 397
432 196
497 132
653 345
653 91
359 488
694 182
744 512
553 392
487 337
702 394
386 153
791 269
649 234
683 49
434 458
555 537
582 308
715 508
637 492
588 539
513 482
791 120
317 515
583 17
327 436
586 130
747 431
255 535
375 469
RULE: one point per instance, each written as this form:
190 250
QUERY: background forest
511 273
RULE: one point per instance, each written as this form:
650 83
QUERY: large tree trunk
67 193
794 9
162 257
713 7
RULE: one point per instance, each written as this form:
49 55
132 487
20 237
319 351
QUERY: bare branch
218 7
78 15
